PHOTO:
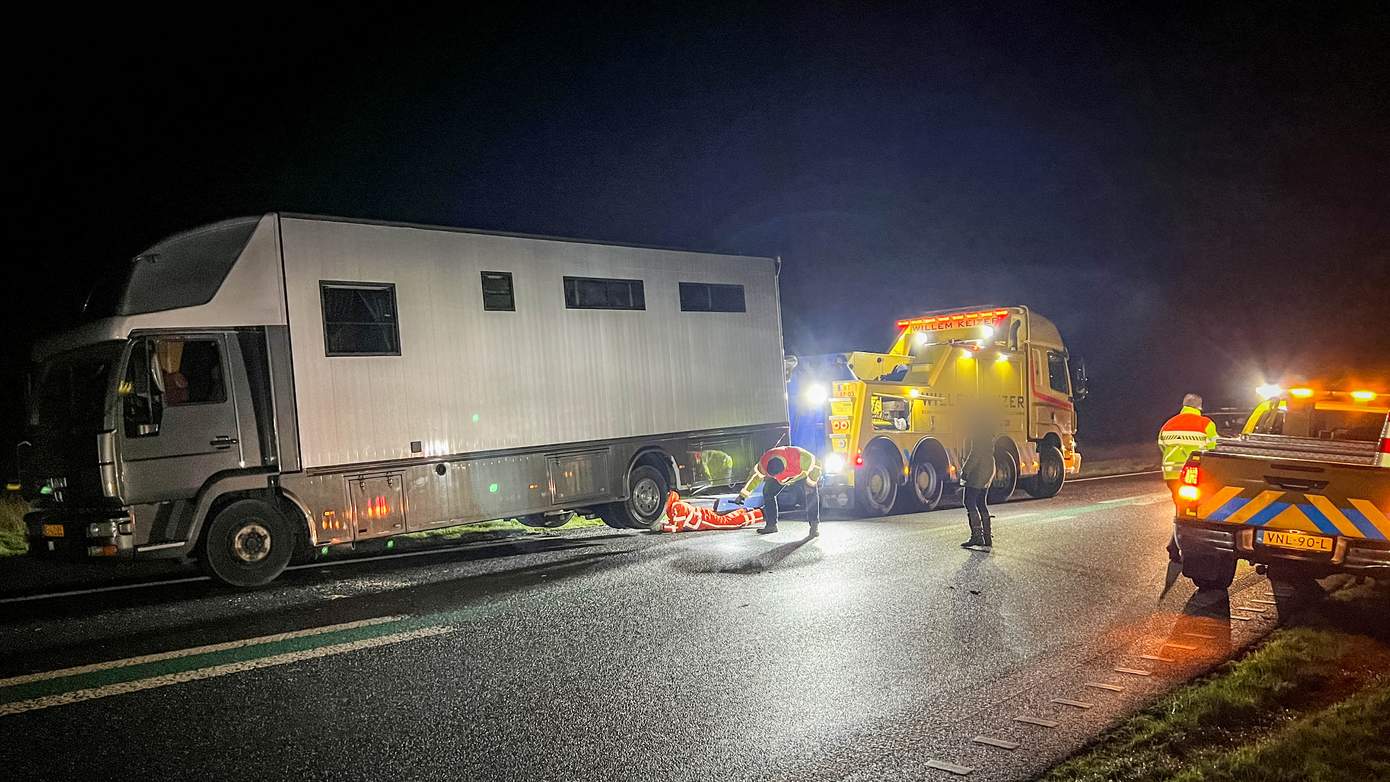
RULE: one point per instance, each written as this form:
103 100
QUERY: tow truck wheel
1005 477
925 485
646 500
875 487
247 544
1052 473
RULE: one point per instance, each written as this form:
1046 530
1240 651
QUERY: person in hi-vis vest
777 469
1181 436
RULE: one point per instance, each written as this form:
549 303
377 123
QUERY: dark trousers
977 511
1173 553
810 500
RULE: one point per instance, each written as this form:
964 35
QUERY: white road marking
1203 636
1157 658
1240 618
1112 477
1133 671
1072 703
993 742
1039 721
1181 647
1105 686
95 590
1123 499
307 565
198 674
951 768
1265 602
194 650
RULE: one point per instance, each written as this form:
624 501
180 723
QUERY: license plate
53 530
1295 540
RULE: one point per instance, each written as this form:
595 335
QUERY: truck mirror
1079 382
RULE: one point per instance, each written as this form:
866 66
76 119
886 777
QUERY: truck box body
384 378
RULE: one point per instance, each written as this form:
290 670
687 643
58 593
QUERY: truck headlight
834 463
815 395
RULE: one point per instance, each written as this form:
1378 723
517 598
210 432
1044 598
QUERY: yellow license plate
53 530
1295 540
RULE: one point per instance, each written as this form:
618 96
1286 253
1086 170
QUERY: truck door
179 416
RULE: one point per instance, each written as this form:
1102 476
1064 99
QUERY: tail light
859 460
1190 476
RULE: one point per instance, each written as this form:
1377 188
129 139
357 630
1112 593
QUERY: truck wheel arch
653 456
219 491
887 447
932 450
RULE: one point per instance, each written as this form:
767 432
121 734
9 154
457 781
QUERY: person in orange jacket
1181 436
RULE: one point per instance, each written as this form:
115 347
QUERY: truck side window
359 319
1057 375
497 292
190 371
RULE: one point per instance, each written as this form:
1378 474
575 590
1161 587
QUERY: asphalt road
880 650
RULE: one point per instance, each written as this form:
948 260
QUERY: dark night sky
1198 201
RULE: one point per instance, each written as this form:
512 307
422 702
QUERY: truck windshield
69 391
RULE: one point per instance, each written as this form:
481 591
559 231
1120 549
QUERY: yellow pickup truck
1302 492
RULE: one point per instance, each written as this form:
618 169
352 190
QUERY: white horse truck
263 388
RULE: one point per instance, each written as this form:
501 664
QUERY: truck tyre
1209 571
875 487
247 544
647 488
1052 473
925 485
1005 477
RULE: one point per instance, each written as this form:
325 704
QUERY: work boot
974 542
815 531
767 530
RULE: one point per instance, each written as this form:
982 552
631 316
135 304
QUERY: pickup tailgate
1293 495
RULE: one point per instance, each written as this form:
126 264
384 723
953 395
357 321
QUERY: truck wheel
1005 477
875 487
646 500
1052 473
925 485
1214 571
247 544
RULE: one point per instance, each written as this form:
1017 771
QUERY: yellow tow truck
888 426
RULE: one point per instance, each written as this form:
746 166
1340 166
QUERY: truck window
497 292
359 319
711 297
592 293
190 371
1057 375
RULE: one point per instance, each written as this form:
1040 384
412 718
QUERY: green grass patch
501 525
1310 703
12 534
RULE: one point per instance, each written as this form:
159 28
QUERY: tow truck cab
1304 490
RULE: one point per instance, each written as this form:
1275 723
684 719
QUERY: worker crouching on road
777 469
1181 436
977 473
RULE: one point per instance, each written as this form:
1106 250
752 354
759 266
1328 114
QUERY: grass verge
500 525
1310 703
12 536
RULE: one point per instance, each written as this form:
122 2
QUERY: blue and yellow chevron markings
1316 514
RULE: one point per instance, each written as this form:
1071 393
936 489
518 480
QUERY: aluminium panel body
470 380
